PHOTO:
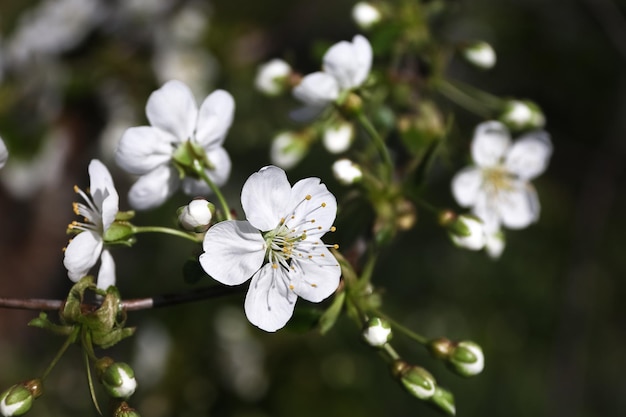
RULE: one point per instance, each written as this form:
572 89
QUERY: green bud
377 332
117 378
480 54
124 410
443 400
522 115
18 399
466 359
415 379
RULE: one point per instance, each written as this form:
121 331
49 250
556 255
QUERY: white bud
467 359
365 15
522 114
4 153
15 401
346 171
271 77
196 216
338 138
377 332
287 150
480 54
119 380
472 236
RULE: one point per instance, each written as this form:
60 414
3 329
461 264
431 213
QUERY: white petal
264 197
466 186
486 209
318 212
151 190
144 148
81 254
173 109
233 251
519 208
106 274
4 153
529 155
495 243
316 278
349 63
269 303
317 90
215 118
476 239
103 192
491 142
221 161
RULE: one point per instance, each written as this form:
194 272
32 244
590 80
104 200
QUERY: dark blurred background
548 313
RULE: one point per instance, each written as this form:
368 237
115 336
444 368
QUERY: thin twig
129 305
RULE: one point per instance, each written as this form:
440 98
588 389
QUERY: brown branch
129 305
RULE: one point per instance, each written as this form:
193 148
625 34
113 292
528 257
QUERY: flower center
90 213
296 237
497 180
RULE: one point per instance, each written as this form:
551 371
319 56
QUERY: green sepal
113 337
44 323
125 215
71 311
330 316
120 232
443 400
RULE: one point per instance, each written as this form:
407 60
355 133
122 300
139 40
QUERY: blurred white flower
522 114
272 77
287 149
498 187
176 122
346 66
4 153
474 237
346 171
338 137
365 15
495 243
99 210
278 246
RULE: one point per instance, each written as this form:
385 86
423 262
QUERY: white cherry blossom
4 153
176 122
278 246
98 210
497 187
346 66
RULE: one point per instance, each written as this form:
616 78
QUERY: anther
275 266
333 228
308 197
335 246
323 204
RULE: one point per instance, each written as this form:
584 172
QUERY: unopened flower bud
117 378
377 332
467 359
444 400
522 115
196 216
18 399
416 380
468 232
272 78
347 172
287 149
124 410
338 138
365 15
480 54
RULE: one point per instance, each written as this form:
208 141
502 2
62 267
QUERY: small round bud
18 399
365 15
338 138
124 410
117 378
287 149
416 380
346 171
272 78
196 216
522 115
468 232
377 332
467 359
480 54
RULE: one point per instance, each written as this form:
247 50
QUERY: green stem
495 103
199 169
403 329
379 143
70 339
391 352
166 230
462 98
92 391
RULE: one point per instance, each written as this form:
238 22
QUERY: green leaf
330 316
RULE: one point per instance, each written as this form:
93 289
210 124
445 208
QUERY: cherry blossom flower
160 153
4 153
278 246
346 66
99 211
498 187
